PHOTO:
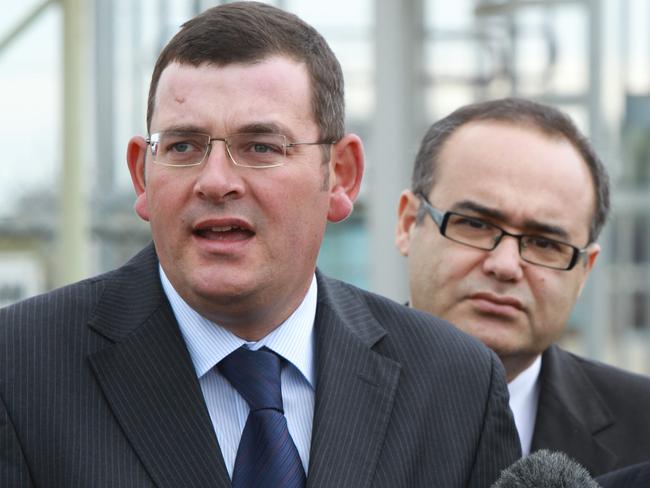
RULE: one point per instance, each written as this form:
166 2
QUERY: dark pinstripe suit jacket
97 390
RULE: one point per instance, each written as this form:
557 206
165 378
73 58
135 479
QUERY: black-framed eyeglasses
250 150
480 234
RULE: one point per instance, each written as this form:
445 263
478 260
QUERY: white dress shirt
524 395
208 343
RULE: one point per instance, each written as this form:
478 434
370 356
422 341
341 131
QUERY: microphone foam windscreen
545 469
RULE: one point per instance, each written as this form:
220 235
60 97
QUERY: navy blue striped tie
267 456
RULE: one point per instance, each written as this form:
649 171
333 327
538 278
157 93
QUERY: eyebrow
255 128
184 128
529 225
263 128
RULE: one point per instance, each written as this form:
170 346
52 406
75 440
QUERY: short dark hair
248 32
549 120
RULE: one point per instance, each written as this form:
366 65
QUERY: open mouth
224 233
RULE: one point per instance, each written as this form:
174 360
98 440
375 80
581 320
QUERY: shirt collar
524 383
208 343
524 396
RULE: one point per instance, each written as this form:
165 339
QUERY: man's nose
219 178
504 261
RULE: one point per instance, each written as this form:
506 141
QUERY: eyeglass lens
177 148
483 235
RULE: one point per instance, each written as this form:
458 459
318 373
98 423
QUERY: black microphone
545 469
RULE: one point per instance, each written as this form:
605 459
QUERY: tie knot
256 376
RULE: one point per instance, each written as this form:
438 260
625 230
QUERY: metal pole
601 294
72 231
397 129
105 98
23 24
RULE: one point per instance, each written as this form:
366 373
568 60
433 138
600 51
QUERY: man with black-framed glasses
500 228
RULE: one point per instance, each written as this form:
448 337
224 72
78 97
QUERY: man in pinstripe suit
112 382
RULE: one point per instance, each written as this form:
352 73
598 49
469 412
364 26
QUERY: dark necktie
267 456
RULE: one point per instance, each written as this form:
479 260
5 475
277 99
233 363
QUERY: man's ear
593 250
136 153
346 170
407 210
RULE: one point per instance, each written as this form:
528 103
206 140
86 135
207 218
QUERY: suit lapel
354 394
570 413
150 384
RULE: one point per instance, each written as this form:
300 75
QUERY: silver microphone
545 469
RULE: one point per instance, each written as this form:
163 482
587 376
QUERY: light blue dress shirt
208 343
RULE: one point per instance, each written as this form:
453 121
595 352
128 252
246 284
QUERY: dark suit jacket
597 414
637 476
97 389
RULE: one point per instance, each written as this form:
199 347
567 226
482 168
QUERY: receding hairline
521 112
530 127
525 123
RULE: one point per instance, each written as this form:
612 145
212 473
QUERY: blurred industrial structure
65 197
